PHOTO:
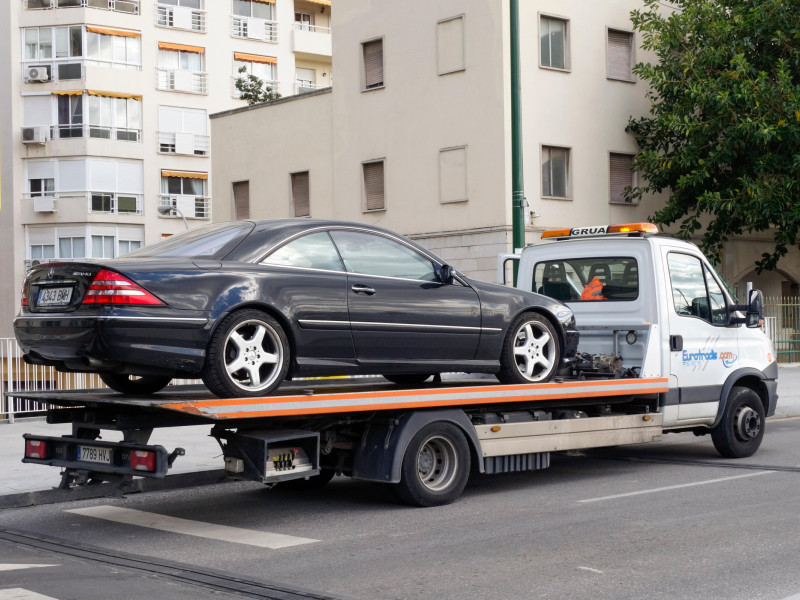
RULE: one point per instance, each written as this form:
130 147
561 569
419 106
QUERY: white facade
104 116
424 89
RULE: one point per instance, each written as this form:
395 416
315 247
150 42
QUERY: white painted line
236 535
22 594
676 487
591 570
15 566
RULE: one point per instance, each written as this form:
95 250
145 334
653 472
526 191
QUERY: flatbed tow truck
663 348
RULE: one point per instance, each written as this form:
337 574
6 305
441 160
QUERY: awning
68 92
113 31
113 94
189 174
183 47
322 2
265 1
254 58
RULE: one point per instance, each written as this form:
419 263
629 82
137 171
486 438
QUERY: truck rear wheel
741 429
435 466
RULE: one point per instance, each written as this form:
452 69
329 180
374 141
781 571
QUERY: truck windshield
588 279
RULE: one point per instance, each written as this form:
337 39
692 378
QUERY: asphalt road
668 520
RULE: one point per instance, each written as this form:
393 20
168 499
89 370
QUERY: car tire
410 379
435 466
531 351
132 385
248 356
741 429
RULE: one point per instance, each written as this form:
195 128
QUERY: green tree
253 89
723 134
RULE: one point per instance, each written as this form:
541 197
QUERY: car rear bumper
136 344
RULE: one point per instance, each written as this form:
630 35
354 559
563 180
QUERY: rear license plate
59 296
94 454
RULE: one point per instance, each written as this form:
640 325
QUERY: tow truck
664 348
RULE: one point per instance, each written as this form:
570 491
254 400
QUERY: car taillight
37 449
109 287
143 460
24 300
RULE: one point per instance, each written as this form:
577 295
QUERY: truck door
703 349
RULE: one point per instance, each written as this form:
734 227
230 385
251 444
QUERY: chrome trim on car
50 316
367 324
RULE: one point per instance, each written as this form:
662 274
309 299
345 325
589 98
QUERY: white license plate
59 296
94 454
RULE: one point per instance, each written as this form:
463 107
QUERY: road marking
675 487
591 570
15 566
22 594
236 535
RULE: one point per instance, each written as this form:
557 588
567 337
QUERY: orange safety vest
593 290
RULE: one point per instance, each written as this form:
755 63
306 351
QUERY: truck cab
653 306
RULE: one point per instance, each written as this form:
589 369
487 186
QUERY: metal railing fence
782 321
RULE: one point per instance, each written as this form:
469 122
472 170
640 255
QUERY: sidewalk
23 484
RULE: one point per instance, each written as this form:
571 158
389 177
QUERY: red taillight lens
24 300
109 287
37 449
143 460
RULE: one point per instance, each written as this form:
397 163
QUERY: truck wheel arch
746 377
379 456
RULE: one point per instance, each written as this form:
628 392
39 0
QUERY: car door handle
363 289
676 343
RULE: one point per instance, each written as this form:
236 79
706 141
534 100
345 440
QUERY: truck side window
588 279
695 292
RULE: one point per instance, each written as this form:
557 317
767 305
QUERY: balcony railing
182 80
303 87
254 29
96 202
308 27
170 142
126 6
191 207
274 85
180 17
105 132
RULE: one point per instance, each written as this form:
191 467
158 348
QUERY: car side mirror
446 274
755 309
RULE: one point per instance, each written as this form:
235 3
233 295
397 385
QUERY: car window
377 255
588 279
695 292
313 251
212 241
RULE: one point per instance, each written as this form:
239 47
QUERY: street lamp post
164 209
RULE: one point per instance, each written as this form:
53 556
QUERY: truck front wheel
741 429
435 466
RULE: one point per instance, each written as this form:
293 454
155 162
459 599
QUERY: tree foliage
723 134
253 89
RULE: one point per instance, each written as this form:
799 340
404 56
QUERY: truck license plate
59 296
94 454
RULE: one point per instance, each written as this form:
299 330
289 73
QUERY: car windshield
211 241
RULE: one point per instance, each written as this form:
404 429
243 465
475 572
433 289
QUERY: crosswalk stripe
15 566
22 594
236 535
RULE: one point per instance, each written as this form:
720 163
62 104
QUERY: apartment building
416 133
104 115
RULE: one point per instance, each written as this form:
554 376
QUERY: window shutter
373 186
621 176
241 199
373 64
620 47
300 194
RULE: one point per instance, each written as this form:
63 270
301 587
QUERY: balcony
92 202
45 71
303 87
312 41
105 132
191 207
126 6
191 144
181 17
182 80
253 28
274 85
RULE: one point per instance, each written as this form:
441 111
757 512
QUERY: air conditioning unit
35 135
37 74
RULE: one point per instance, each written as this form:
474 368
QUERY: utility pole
518 202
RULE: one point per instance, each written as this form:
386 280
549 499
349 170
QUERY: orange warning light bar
625 228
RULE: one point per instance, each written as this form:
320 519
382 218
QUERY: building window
621 176
254 20
183 131
181 14
72 247
554 43
241 199
102 246
122 49
39 44
303 20
262 67
42 187
126 246
374 191
372 57
619 54
180 68
555 172
186 192
300 195
70 116
115 118
450 45
453 174
42 251
248 8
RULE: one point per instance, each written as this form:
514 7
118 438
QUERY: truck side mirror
445 274
755 309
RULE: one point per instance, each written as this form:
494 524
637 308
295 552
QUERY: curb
170 482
